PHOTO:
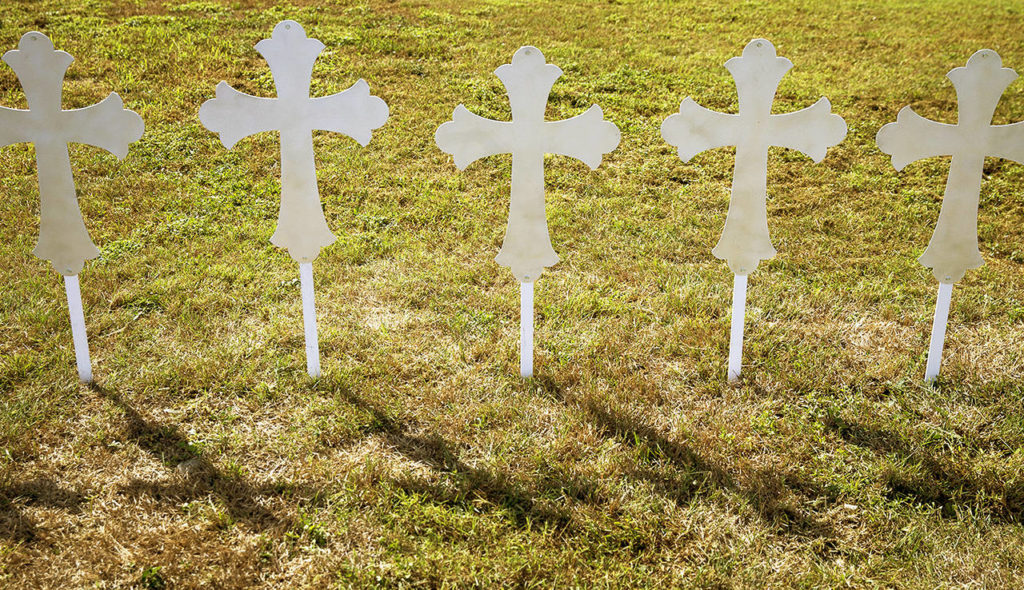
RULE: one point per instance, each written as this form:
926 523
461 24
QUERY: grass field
205 457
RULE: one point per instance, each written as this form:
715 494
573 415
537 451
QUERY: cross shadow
768 492
940 481
777 497
196 477
471 488
18 527
466 487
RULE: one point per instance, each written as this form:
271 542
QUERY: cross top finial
979 86
528 81
34 40
36 50
761 70
759 50
984 59
290 55
36 59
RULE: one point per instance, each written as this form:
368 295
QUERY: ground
204 456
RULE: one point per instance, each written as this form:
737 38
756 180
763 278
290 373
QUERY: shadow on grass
470 488
195 477
778 498
18 527
934 479
463 486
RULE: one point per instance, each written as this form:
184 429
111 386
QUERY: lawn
204 456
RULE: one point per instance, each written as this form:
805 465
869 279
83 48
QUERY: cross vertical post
526 248
938 338
745 239
301 225
526 330
78 333
63 238
309 319
739 306
953 248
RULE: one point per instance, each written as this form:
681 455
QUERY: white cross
745 240
954 244
527 248
301 226
63 239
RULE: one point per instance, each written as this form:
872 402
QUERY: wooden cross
301 226
63 239
953 248
745 240
527 248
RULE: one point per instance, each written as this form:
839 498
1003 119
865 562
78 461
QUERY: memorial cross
301 226
953 248
745 240
63 238
527 248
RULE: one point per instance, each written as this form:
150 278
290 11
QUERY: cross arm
353 112
1007 141
469 137
586 137
13 126
106 124
236 115
695 129
810 131
912 137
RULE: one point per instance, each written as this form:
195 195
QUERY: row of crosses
528 79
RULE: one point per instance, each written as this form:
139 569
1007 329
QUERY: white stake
78 328
739 304
938 331
526 330
309 319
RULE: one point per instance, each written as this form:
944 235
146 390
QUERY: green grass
206 457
